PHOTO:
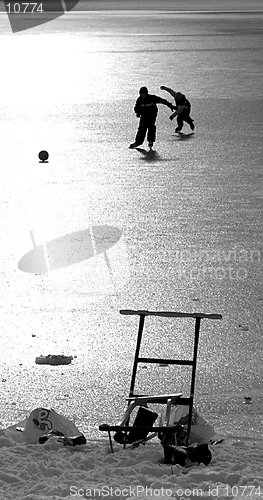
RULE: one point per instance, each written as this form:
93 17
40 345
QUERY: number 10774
23 7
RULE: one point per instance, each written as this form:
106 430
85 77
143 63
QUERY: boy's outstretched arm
160 100
171 91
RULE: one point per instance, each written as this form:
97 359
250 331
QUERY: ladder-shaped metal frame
168 399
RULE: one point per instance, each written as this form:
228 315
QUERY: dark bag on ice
71 441
199 453
181 455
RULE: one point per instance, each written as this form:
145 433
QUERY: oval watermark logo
25 15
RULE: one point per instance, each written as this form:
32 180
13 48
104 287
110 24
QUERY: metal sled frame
168 399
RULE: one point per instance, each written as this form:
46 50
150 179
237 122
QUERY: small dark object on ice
71 441
186 455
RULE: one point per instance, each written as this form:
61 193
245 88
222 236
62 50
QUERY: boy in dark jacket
183 108
146 109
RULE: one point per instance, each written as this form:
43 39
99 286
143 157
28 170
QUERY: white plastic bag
41 421
201 430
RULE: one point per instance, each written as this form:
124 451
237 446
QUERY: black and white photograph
131 302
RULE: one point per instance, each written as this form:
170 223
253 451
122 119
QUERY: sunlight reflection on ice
102 246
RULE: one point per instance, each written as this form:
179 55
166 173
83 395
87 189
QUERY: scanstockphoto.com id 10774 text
137 491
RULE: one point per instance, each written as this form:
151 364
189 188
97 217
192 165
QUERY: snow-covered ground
53 471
